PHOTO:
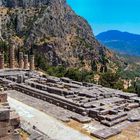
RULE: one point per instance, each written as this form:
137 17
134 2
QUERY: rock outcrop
59 35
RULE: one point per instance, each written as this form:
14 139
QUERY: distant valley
122 42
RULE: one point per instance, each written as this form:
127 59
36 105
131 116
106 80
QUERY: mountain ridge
122 42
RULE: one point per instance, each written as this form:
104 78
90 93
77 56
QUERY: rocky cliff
59 35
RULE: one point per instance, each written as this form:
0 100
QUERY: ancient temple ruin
24 62
87 101
109 107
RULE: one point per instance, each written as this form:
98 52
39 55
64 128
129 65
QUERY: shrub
109 79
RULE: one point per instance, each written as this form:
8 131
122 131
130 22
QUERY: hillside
122 42
55 33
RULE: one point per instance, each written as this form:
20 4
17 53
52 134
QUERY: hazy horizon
105 15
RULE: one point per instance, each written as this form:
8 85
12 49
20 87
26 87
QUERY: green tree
109 79
5 49
58 71
119 85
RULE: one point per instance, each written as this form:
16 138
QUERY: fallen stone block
93 113
81 119
99 97
65 119
127 109
136 99
4 114
112 123
113 112
89 104
133 105
105 133
134 115
70 96
101 117
3 97
65 79
127 95
104 112
114 117
78 83
14 119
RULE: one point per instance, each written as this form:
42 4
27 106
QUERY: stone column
32 65
12 56
1 38
1 61
20 79
21 62
26 62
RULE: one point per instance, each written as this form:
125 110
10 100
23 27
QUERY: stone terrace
107 106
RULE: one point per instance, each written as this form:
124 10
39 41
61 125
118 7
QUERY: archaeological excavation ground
86 103
41 38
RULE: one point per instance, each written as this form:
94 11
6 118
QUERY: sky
103 15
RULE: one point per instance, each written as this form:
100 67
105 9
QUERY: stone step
133 105
112 123
136 99
81 119
114 117
127 95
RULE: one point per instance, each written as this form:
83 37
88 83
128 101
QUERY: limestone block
4 114
105 133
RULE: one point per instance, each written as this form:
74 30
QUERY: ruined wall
9 120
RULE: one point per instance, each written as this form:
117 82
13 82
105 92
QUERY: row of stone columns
23 60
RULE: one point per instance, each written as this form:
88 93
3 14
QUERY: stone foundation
9 120
108 106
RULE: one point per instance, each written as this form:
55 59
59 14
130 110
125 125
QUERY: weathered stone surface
134 115
105 133
114 122
4 114
9 120
136 99
81 119
126 96
34 133
106 106
3 97
114 117
133 105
